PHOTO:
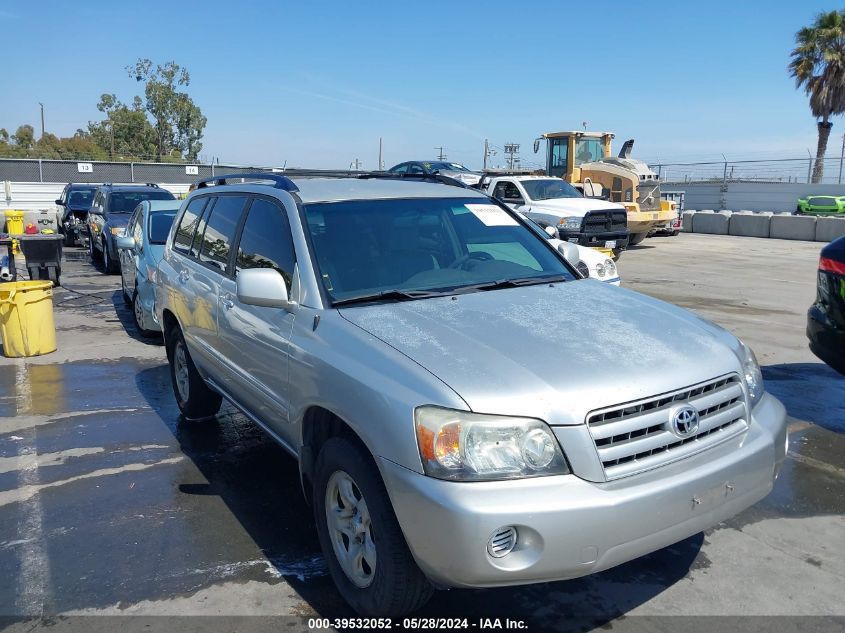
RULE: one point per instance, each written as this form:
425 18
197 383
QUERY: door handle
226 302
183 276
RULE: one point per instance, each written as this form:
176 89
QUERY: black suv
113 205
75 201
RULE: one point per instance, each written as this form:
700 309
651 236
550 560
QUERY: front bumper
569 527
596 240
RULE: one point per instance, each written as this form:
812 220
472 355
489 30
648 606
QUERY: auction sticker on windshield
491 215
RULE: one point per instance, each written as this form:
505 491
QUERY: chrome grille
638 436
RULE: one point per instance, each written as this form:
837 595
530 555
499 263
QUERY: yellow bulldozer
584 159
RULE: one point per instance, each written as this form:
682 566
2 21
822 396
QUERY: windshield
80 197
429 244
445 167
587 150
549 189
160 223
126 201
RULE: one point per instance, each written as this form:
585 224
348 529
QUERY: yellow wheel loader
584 160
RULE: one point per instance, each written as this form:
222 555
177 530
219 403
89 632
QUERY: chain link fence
42 170
776 170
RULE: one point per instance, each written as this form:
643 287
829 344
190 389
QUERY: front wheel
93 252
195 399
636 238
362 542
109 263
139 316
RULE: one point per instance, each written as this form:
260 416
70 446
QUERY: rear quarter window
188 225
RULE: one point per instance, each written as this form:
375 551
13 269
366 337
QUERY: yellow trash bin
26 318
14 222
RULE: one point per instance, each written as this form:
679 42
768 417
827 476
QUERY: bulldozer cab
567 151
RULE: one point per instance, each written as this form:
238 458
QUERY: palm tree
818 65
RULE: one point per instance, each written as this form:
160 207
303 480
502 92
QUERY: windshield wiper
388 295
515 283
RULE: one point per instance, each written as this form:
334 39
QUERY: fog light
502 541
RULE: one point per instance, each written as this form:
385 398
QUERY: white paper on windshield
491 215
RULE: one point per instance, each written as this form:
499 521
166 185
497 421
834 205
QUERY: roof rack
152 184
279 182
386 175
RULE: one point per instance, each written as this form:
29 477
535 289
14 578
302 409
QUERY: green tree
818 66
177 120
125 132
24 137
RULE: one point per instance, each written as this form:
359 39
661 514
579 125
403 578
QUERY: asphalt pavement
110 504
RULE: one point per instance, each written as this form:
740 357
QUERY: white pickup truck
554 202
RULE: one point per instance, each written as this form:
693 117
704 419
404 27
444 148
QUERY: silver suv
465 410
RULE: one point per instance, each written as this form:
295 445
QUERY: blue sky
314 84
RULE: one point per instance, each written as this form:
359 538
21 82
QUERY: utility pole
357 165
42 119
111 127
488 152
512 151
841 156
380 161
440 155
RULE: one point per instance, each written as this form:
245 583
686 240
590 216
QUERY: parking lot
109 504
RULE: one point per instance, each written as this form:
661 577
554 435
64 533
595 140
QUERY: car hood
553 352
578 205
470 178
117 220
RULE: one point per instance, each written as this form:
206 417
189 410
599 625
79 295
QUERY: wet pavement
111 504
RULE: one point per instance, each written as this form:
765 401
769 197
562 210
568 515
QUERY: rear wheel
362 542
195 399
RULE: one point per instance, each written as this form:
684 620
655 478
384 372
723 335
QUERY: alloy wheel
180 371
350 530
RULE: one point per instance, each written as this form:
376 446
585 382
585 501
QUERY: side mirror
127 242
550 231
569 252
536 145
60 203
263 287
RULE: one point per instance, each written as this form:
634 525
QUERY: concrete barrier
785 226
712 223
829 229
750 224
686 221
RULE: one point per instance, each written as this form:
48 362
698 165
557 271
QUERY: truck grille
821 202
603 221
635 437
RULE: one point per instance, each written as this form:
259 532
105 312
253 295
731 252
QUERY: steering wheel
481 256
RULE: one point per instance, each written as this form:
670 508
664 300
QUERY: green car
821 205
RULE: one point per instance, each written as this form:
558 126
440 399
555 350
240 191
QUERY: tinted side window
188 225
220 230
197 243
266 240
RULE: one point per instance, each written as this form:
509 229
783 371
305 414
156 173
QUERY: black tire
127 299
676 232
68 239
142 331
109 264
636 238
397 587
199 402
96 255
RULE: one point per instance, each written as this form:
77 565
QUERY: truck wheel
195 399
361 540
636 238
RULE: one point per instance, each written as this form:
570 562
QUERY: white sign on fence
192 170
85 168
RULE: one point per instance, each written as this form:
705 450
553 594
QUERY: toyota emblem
684 420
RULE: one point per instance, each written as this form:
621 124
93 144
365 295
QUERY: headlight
600 270
752 375
470 447
118 231
570 224
610 267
